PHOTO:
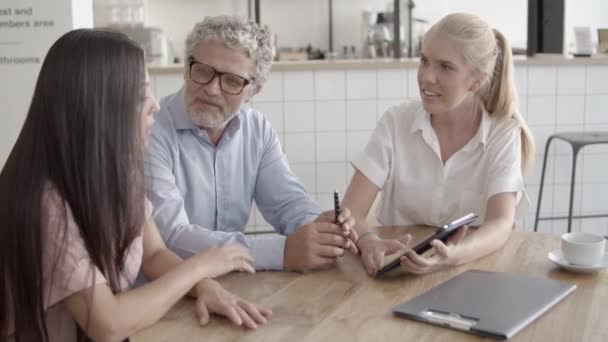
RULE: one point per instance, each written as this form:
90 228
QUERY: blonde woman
462 147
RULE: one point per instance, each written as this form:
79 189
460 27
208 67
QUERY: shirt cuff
509 184
267 251
369 169
306 220
505 184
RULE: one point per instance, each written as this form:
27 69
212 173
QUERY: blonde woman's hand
374 250
216 261
438 257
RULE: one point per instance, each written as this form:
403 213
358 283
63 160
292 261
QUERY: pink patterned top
67 268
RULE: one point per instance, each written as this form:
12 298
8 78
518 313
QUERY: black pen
337 209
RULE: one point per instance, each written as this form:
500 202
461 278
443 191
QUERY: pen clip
451 319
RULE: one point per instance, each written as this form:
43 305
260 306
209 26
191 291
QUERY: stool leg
542 183
575 150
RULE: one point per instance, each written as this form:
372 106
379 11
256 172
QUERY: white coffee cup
583 249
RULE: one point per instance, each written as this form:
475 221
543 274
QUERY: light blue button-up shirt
203 194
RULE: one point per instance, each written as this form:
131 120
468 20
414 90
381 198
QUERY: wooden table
344 304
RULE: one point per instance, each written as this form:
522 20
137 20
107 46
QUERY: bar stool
577 140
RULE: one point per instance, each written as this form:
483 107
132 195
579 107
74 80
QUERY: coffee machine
127 16
377 32
156 46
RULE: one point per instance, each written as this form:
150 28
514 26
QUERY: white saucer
557 258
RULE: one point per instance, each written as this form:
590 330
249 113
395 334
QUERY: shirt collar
422 122
481 136
177 106
235 123
183 121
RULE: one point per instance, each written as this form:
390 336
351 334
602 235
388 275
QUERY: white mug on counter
583 249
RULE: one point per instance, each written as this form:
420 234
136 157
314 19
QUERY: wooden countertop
391 63
344 304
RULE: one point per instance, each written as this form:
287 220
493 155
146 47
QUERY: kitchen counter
391 63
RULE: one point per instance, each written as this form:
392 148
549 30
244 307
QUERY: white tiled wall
567 98
323 118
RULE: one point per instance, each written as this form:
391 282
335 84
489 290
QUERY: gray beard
202 123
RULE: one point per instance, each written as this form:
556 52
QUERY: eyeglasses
204 74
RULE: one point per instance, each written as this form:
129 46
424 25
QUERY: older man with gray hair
211 158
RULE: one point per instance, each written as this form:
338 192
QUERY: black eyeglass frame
216 73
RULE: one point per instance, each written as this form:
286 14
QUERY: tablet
443 234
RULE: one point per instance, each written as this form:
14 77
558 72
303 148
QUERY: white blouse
403 159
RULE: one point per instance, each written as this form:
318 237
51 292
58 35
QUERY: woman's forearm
483 240
158 295
359 198
162 262
108 316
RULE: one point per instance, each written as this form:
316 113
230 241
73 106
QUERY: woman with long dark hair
75 227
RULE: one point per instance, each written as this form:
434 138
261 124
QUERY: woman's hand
374 249
441 255
216 261
214 299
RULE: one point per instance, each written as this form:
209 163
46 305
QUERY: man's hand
214 299
316 245
346 221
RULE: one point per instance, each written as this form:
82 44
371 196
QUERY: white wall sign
27 30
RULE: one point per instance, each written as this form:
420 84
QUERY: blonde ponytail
489 52
501 97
